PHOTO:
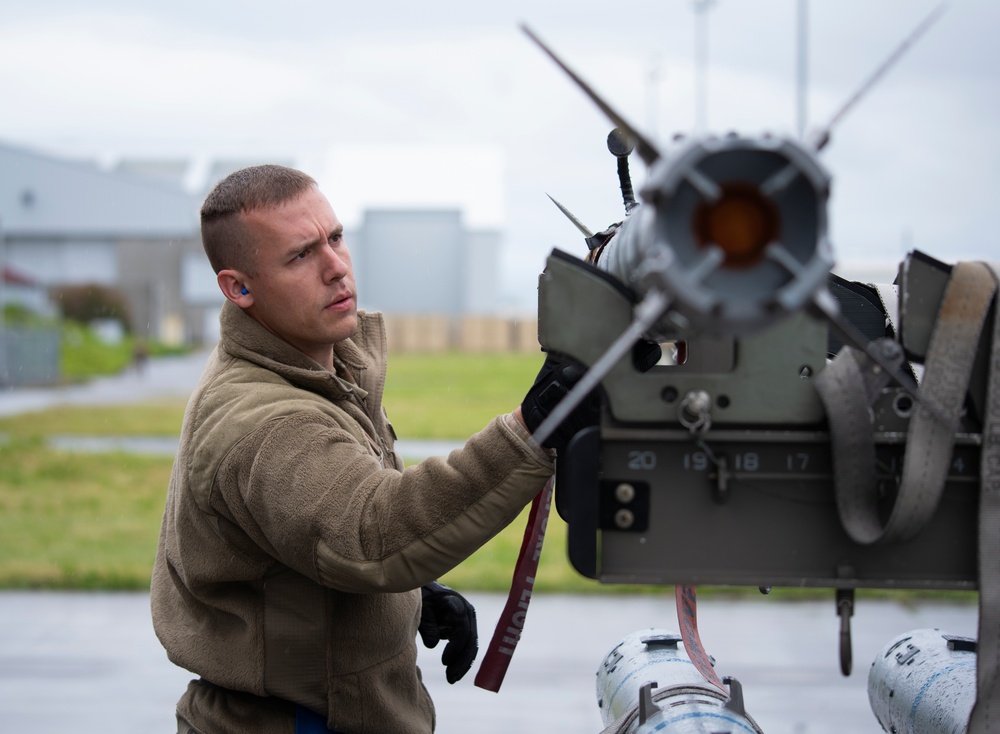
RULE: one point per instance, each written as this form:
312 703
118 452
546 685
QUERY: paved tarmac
89 662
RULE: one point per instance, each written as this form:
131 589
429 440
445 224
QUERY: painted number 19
697 461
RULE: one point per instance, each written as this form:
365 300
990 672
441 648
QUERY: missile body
924 682
648 684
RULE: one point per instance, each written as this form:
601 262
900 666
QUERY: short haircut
227 240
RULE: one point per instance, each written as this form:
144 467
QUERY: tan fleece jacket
294 544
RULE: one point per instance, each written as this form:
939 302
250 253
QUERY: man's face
304 289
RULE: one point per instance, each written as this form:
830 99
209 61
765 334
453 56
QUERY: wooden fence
466 334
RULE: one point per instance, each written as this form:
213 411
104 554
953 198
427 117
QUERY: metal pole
701 8
802 70
4 372
653 96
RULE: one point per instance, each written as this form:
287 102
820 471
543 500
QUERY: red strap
687 618
508 630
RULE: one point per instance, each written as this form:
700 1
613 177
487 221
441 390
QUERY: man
294 545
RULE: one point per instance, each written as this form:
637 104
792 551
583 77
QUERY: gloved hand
447 615
645 355
554 381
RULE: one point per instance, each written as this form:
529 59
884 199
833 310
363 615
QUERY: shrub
85 303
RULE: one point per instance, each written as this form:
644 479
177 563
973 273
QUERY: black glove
553 383
645 355
447 615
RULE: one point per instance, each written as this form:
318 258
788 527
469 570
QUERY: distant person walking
140 356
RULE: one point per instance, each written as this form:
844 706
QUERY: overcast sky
403 103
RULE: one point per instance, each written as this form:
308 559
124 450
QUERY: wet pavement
89 662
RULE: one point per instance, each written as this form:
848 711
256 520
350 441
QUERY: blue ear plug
244 291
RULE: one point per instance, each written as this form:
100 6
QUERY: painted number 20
641 460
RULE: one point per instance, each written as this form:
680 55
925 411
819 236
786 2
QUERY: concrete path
164 377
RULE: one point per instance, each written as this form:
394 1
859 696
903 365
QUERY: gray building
17 288
424 262
135 228
65 222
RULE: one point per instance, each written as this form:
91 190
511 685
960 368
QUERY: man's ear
233 285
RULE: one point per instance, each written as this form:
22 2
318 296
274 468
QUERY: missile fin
571 217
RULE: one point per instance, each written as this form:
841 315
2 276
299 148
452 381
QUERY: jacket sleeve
311 497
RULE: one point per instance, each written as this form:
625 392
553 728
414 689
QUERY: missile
647 683
731 238
924 682
734 229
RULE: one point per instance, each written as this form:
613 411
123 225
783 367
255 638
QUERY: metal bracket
735 702
845 610
646 706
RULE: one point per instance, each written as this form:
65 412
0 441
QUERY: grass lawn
91 521
77 520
